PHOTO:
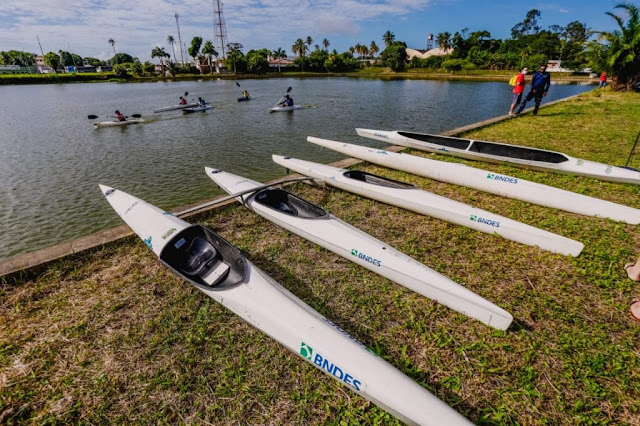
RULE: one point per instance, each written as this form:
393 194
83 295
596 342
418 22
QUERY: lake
52 158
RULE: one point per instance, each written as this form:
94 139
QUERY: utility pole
219 28
179 39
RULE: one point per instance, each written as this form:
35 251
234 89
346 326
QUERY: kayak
99 124
244 99
287 108
409 197
176 107
483 180
218 269
494 152
197 109
316 225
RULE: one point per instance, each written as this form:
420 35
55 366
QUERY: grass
112 336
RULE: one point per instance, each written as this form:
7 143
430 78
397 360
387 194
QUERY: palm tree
624 46
300 48
443 40
308 41
208 50
112 42
388 38
172 42
373 49
351 50
325 44
279 54
159 52
316 47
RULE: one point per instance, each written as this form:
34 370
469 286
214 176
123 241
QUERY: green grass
112 336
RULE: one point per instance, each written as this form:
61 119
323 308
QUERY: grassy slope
112 336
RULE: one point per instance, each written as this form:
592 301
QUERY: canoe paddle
288 90
632 149
92 117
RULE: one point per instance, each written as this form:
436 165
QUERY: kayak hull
266 305
284 109
500 153
429 204
175 107
129 122
483 180
355 245
196 109
243 99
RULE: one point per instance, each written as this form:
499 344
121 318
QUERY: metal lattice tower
179 39
219 29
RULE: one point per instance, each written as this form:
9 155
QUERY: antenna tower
179 39
429 41
219 29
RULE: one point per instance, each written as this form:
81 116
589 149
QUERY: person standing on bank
518 89
603 80
539 87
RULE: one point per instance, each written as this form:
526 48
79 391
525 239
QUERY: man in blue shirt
539 87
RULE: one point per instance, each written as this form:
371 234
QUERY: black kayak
243 99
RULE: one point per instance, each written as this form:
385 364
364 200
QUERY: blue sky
84 26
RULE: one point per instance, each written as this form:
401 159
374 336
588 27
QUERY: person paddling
120 116
201 102
183 101
287 101
245 94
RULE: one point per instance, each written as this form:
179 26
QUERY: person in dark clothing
539 87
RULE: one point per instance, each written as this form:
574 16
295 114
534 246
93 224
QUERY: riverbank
111 335
372 72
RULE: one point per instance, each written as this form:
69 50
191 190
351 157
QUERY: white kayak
197 109
220 271
483 180
176 107
316 225
409 197
127 122
494 152
287 108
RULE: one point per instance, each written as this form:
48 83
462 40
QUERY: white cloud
86 25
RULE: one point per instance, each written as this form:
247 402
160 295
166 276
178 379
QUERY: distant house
422 54
555 65
280 62
71 68
16 69
104 68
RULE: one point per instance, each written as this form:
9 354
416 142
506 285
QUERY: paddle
93 117
288 90
632 149
237 84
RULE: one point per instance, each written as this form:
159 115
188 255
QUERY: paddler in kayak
120 116
245 94
201 102
287 101
183 101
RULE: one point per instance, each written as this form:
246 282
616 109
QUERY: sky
137 26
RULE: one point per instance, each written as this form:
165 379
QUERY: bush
395 57
120 70
456 64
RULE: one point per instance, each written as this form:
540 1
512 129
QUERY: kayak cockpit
203 258
449 142
518 152
286 202
377 180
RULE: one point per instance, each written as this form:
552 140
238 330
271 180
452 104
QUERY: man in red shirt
603 79
518 90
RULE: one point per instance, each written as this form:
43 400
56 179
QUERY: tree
208 50
443 40
528 26
235 55
120 70
308 41
300 48
388 38
112 42
94 62
159 52
121 58
52 60
395 56
325 44
194 49
172 42
317 58
257 62
279 54
624 47
373 48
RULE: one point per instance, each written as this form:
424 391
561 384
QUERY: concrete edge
26 262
